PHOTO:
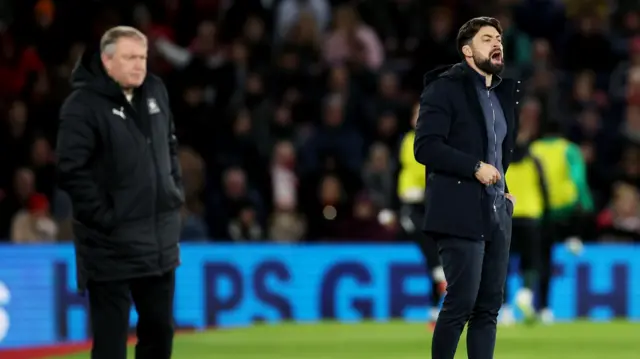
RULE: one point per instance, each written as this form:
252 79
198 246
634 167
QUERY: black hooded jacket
118 162
451 138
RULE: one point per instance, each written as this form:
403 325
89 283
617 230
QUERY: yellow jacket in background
527 184
412 177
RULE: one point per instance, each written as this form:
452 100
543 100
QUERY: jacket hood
90 74
454 70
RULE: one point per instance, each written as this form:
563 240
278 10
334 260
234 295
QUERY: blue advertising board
235 285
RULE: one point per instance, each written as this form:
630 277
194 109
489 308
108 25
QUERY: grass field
397 340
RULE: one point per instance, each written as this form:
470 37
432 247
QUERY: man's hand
511 198
487 174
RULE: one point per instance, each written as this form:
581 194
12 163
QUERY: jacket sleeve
432 130
176 173
76 150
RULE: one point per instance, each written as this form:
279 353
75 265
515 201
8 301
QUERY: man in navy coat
465 139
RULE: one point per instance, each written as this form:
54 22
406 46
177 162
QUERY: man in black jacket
465 138
117 160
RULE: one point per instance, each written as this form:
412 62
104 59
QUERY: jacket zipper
145 129
495 140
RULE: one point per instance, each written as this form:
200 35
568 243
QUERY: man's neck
488 78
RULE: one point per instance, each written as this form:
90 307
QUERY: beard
487 66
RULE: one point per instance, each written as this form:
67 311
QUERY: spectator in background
336 137
378 177
14 140
351 40
244 227
18 199
328 208
589 48
289 12
286 224
363 223
227 206
34 223
43 164
620 221
618 85
194 226
17 65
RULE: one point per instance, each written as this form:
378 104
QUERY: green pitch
397 340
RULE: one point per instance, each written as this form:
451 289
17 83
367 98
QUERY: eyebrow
491 36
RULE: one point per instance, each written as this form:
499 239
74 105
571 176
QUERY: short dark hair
471 28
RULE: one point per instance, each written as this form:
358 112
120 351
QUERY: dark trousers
527 242
427 246
110 305
476 272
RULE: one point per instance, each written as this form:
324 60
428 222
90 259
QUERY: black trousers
526 243
110 305
476 272
428 248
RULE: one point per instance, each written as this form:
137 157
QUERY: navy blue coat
451 137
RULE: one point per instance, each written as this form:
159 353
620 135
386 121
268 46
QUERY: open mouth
496 56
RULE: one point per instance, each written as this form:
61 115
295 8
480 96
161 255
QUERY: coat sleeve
432 130
76 150
176 172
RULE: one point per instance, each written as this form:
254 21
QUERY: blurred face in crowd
379 158
389 85
485 51
529 120
541 49
40 152
193 96
205 42
254 29
631 162
339 78
441 23
242 124
305 31
330 190
285 154
584 86
632 117
126 61
18 114
235 183
24 183
626 200
247 216
346 18
363 209
239 53
590 122
387 125
333 115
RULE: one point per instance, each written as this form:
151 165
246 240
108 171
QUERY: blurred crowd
290 112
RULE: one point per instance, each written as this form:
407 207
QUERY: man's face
486 50
127 64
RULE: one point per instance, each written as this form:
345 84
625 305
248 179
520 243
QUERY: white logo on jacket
153 106
119 113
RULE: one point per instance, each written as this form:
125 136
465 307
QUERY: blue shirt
496 130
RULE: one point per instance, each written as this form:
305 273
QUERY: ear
466 51
105 60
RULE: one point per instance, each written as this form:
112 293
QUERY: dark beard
488 67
